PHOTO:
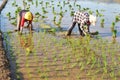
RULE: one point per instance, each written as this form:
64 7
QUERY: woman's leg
21 29
81 32
71 28
18 22
31 27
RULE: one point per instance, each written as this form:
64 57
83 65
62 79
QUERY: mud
4 64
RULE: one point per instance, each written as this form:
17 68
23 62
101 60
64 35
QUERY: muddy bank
3 5
4 64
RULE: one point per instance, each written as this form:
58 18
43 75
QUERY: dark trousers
71 28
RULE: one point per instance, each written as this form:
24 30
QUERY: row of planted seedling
55 57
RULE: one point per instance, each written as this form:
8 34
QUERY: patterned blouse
82 18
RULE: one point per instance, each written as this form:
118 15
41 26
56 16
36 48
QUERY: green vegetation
102 22
117 18
57 57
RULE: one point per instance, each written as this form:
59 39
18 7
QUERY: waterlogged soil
49 58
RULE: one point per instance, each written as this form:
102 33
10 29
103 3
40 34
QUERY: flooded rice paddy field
41 56
58 14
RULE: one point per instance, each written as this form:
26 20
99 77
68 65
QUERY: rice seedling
70 6
58 24
73 65
54 19
85 9
18 9
112 26
37 14
72 13
74 3
14 3
32 2
53 9
102 22
58 5
93 61
90 12
117 18
79 7
9 15
43 16
97 13
114 33
64 3
44 11
36 3
61 14
44 76
47 4
18 77
79 76
24 4
101 15
41 2
61 7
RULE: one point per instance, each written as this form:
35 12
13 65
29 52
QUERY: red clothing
88 23
23 20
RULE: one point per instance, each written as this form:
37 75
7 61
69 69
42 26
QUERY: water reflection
26 42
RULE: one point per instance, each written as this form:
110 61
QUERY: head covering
28 16
92 19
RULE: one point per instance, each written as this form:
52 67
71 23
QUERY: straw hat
28 16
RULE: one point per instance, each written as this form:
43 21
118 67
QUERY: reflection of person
22 17
84 20
26 42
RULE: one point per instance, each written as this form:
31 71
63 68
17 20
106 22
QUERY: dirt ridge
4 63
